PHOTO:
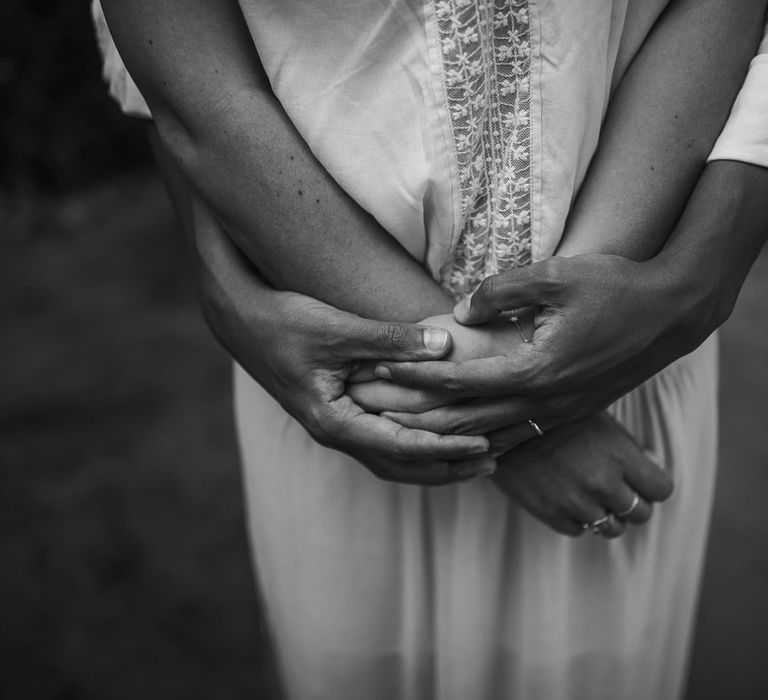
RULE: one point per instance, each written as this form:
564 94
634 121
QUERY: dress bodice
465 127
445 118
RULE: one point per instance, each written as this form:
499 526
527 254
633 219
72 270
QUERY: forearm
231 138
716 241
661 125
305 234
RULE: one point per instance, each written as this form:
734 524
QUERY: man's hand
602 326
302 351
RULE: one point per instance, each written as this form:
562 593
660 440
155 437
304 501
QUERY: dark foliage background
58 132
124 570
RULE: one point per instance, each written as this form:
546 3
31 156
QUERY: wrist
720 234
684 297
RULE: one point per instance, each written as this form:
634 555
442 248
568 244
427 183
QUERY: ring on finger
535 426
594 526
626 513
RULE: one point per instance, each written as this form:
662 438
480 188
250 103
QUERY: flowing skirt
380 591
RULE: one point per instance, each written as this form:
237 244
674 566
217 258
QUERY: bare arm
661 125
198 69
209 162
599 310
608 323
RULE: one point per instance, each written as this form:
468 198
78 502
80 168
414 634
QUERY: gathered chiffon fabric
466 128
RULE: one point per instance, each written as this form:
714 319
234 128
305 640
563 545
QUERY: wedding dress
466 127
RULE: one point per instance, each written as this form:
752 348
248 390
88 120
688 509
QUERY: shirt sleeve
121 86
745 136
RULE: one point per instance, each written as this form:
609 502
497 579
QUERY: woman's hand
581 474
302 351
493 339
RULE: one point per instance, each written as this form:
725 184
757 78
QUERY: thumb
508 291
396 341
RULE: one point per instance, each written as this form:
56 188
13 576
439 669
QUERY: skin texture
303 351
597 313
253 154
219 121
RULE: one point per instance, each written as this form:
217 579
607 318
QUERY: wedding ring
594 526
635 503
535 426
516 321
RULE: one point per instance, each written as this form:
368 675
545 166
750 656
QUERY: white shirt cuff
745 136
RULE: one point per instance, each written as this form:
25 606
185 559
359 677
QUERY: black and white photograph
383 350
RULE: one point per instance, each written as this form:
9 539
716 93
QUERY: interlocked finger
474 418
427 473
379 396
362 430
490 376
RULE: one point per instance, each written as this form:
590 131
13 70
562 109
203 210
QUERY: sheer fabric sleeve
745 136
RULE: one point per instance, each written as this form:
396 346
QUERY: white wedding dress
465 127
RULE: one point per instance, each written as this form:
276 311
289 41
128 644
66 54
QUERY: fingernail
435 339
461 310
382 372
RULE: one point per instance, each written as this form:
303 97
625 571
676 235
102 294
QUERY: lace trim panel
486 63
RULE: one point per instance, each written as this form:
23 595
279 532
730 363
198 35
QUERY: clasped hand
600 327
304 352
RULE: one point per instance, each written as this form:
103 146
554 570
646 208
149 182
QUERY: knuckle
599 483
319 426
453 383
534 376
401 447
393 336
422 401
334 333
489 289
553 272
460 425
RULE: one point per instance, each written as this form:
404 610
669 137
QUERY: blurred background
123 563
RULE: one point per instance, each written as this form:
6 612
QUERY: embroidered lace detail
486 56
